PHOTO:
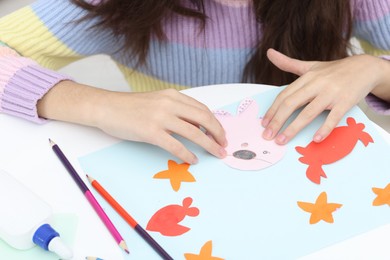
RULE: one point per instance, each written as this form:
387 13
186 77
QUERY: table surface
26 154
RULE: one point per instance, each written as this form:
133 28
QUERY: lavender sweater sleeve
376 104
22 83
371 28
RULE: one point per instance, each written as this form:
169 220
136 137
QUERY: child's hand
152 117
149 117
336 86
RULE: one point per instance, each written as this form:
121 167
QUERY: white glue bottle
24 219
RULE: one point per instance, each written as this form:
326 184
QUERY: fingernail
317 138
222 153
265 122
195 160
281 139
225 143
267 133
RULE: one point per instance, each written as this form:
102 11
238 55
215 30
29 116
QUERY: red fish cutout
166 220
336 146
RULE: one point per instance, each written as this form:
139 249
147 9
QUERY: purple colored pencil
91 199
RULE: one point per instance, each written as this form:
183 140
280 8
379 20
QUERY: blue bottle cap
44 235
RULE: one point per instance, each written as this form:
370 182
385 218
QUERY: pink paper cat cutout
247 149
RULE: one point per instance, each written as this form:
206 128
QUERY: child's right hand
149 117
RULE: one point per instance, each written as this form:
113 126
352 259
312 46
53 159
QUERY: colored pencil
128 218
88 194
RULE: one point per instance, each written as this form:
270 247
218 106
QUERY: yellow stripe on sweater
26 33
140 82
370 49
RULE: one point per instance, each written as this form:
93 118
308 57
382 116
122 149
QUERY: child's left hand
335 85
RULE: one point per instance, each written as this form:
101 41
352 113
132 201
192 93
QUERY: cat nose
244 154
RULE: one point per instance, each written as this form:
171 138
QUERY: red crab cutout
336 146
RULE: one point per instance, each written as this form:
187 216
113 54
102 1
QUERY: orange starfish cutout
177 173
321 210
205 253
383 196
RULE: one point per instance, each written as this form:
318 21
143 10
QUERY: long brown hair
302 29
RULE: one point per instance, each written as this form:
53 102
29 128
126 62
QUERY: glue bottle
24 219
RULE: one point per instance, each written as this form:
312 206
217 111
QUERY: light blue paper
246 214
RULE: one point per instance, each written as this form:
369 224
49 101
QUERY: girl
163 46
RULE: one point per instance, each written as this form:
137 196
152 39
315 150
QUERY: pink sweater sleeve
22 83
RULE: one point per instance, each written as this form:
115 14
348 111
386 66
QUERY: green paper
64 224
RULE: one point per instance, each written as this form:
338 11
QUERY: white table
26 154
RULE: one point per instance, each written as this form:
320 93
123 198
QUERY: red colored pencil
129 219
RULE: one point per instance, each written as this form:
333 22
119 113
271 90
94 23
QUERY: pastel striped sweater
44 37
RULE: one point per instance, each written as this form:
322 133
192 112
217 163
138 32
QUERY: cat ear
248 108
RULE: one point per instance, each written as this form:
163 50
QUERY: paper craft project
248 214
336 146
166 220
205 253
247 150
383 196
321 209
176 173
